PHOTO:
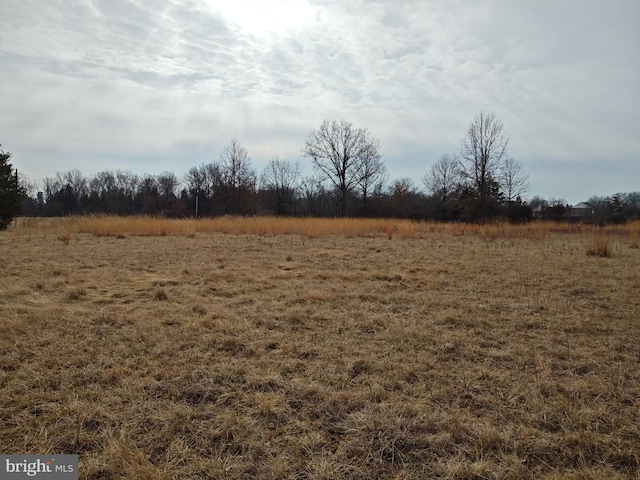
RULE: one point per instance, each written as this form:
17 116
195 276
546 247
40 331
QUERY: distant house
582 210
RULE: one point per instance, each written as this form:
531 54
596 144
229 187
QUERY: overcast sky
155 85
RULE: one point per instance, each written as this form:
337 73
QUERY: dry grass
123 227
599 245
448 351
66 238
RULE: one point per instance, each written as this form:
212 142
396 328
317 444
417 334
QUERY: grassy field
321 349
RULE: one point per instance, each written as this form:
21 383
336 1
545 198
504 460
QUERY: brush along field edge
448 352
312 227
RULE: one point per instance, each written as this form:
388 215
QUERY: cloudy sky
155 85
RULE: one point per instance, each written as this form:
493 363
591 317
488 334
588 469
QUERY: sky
164 85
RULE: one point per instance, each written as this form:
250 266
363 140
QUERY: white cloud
120 79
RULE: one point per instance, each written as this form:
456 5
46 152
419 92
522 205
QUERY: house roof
582 205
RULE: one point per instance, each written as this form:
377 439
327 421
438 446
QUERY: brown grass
599 245
389 233
452 351
161 295
123 227
66 238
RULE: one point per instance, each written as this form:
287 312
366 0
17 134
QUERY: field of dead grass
161 349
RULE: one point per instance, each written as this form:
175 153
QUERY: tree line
479 182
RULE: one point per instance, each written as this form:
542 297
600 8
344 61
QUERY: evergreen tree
10 195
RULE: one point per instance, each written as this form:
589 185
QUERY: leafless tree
76 181
281 177
126 183
513 179
442 179
339 152
235 189
103 184
373 173
402 192
236 167
538 203
201 180
73 179
148 186
27 186
51 186
484 149
316 199
168 184
196 180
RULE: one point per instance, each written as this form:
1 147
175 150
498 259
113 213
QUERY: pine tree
10 195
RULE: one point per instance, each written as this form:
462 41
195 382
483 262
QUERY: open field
321 349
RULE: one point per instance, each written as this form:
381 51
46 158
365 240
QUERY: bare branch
513 179
443 177
483 151
342 154
281 177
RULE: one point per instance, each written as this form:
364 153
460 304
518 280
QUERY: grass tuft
599 246
76 293
160 295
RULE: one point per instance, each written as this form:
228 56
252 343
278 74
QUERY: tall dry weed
407 229
599 245
141 226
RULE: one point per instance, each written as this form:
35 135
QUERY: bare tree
442 179
373 173
483 151
200 183
281 177
73 179
196 180
27 186
236 167
632 199
103 185
168 184
76 181
402 194
126 183
597 202
51 186
513 179
200 180
148 186
236 189
537 203
339 152
147 193
316 199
